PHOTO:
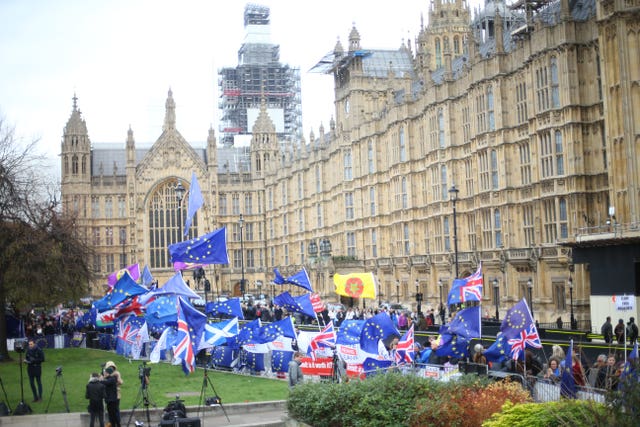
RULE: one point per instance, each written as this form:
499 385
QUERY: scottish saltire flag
300 304
210 248
405 350
230 307
466 322
568 382
376 328
355 285
325 339
301 278
124 288
349 332
133 270
274 330
147 278
528 338
467 289
217 333
195 202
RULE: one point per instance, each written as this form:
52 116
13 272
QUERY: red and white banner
322 366
316 302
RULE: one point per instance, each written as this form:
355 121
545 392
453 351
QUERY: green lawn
166 382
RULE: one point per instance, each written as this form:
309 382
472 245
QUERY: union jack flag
184 347
405 350
128 331
526 338
130 306
467 289
326 338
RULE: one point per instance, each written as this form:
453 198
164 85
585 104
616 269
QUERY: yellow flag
355 285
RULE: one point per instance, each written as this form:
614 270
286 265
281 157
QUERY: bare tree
42 259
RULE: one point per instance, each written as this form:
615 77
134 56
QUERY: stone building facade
500 140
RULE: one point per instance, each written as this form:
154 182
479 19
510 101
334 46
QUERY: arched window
74 165
84 165
456 45
440 128
497 227
166 223
438 54
402 146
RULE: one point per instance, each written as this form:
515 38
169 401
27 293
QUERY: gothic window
497 228
372 201
456 44
248 231
559 153
370 157
300 187
110 262
285 224
550 221
487 229
108 207
546 155
97 263
494 170
95 207
66 165
248 204
441 142
443 183
250 262
348 167
122 210
471 230
562 214
374 244
84 165
222 204
402 146
300 220
446 233
406 238
319 215
318 180
469 177
74 165
351 243
542 88
438 54
348 204
521 103
435 184
235 204
483 163
525 163
109 236
166 222
491 118
559 296
555 89
527 225
403 189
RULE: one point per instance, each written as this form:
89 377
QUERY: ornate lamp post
530 287
572 319
418 297
242 288
453 196
496 295
180 192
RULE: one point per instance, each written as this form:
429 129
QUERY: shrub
574 413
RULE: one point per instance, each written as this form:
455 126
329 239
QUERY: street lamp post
242 289
441 310
530 287
496 295
453 193
398 291
572 319
180 192
259 286
123 240
418 297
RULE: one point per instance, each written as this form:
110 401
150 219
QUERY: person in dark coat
34 358
607 330
111 380
95 392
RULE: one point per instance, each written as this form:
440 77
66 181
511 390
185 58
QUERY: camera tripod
206 381
63 390
144 399
22 408
6 399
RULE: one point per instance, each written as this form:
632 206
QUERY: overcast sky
120 57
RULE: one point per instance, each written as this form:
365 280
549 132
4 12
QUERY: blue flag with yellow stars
376 328
246 334
163 307
255 361
349 332
453 345
273 330
300 304
500 350
210 248
466 323
124 288
629 369
373 366
301 278
222 356
230 307
517 319
280 360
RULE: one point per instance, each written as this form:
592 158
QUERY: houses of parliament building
510 139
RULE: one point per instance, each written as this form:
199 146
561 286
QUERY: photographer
95 392
112 381
34 358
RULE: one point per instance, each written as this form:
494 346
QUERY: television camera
144 372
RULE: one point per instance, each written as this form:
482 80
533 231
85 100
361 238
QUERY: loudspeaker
189 422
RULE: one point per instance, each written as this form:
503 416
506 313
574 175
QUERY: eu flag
466 323
372 366
163 306
246 334
301 278
517 319
568 382
124 288
467 289
378 327
499 351
280 360
230 307
273 330
147 277
301 304
210 248
349 332
453 345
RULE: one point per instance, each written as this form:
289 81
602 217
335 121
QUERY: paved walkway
267 414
